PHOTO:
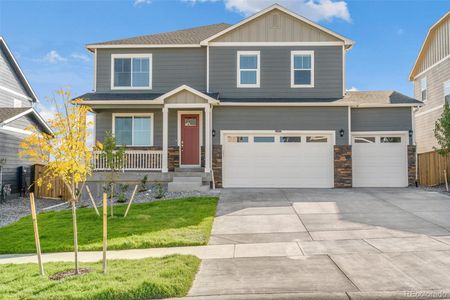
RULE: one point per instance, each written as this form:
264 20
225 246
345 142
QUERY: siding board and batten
276 26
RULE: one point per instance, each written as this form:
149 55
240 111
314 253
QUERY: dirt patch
70 273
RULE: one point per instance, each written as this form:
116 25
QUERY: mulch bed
70 273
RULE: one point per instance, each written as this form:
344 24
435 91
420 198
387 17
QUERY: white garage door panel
380 164
277 164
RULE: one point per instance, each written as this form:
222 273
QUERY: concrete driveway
339 243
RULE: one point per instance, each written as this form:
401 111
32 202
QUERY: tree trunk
75 235
111 198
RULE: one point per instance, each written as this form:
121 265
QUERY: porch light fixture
341 132
213 133
410 132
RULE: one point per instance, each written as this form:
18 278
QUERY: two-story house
261 103
431 77
17 113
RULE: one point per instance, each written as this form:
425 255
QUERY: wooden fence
57 191
430 168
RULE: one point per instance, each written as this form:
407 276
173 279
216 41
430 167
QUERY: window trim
152 119
302 52
258 69
131 56
422 89
444 85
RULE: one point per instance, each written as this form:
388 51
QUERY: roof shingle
191 36
9 112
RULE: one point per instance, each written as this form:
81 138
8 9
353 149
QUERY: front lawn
148 278
168 223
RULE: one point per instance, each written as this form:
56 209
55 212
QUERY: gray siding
171 68
381 119
10 80
103 123
9 148
275 81
281 118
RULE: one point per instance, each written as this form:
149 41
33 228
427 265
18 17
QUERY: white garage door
278 160
380 160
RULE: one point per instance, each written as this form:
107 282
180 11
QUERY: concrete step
187 179
187 187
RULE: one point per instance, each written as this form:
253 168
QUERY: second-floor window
302 69
447 91
248 69
423 88
131 71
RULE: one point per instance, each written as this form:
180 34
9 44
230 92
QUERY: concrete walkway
316 244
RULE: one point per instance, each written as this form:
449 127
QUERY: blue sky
48 37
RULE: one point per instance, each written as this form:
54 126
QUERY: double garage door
305 160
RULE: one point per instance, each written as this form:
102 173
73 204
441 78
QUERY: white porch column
165 147
207 138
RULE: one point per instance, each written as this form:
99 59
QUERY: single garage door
278 160
380 160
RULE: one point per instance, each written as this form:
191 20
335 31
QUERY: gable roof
425 44
347 42
9 114
18 70
187 37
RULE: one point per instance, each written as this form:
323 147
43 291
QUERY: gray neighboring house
431 78
17 99
261 103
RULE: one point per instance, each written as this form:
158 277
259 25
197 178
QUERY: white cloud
316 10
53 57
352 89
141 2
79 56
47 113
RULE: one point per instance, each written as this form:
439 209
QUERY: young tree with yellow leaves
65 154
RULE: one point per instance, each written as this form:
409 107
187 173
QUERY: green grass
169 276
168 223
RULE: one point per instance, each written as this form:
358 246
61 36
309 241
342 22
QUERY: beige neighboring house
431 77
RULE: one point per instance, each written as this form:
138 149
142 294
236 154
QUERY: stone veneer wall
411 165
173 158
202 156
343 166
217 164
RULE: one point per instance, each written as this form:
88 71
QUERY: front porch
166 137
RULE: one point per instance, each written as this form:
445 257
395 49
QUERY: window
17 103
302 69
248 67
190 122
264 139
447 91
390 139
423 88
237 139
316 139
133 130
131 71
290 139
364 140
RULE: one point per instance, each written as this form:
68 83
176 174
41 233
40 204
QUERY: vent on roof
275 20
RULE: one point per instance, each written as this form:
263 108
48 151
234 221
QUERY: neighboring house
16 114
261 103
431 77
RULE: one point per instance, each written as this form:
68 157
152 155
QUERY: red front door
190 140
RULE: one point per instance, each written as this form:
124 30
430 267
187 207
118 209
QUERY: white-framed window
248 69
423 88
447 91
302 69
17 103
131 71
135 129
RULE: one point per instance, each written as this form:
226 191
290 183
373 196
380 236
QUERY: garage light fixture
341 132
410 132
213 133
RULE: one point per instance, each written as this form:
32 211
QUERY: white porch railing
134 160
